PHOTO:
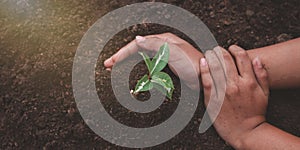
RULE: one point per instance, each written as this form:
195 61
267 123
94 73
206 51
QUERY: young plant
156 79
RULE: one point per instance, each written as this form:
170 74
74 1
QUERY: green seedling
156 79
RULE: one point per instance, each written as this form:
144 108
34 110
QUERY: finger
207 81
153 43
123 53
217 73
167 37
172 39
243 61
227 61
150 43
261 75
219 53
216 93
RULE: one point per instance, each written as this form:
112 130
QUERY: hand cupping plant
156 79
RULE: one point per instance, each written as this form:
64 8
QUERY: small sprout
156 79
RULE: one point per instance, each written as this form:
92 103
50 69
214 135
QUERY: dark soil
38 41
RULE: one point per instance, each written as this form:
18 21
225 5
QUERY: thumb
261 75
207 81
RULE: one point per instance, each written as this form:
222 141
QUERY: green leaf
147 61
164 80
160 60
143 84
162 90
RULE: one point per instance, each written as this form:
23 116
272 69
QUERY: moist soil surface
38 41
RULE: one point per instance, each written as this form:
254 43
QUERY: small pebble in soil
249 13
283 37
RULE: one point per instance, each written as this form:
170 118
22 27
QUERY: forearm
282 62
268 137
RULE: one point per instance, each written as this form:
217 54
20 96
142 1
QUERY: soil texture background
38 41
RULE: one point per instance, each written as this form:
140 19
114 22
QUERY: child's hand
184 58
246 95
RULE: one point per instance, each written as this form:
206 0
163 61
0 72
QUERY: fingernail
140 39
257 62
217 48
235 47
106 61
203 62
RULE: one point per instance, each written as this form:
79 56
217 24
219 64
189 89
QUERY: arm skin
268 137
282 62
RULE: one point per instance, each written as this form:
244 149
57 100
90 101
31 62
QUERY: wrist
241 135
247 140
